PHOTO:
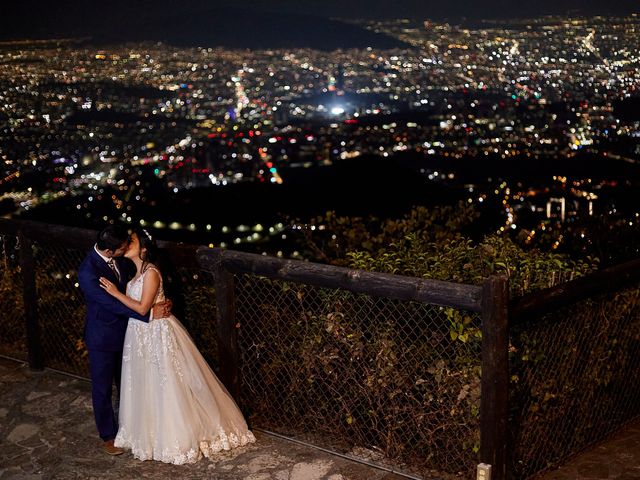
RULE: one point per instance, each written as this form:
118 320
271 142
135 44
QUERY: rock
35 395
311 471
262 462
22 432
282 475
258 476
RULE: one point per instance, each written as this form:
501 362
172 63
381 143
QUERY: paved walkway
47 432
618 458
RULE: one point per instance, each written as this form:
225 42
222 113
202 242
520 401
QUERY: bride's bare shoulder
153 270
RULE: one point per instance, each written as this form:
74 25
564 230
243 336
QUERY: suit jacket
107 318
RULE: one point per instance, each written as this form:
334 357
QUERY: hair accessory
147 234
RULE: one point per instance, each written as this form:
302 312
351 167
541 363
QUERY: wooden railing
568 293
491 300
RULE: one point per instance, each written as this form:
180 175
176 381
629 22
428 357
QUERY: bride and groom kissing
172 406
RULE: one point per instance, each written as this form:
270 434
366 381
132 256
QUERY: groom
106 324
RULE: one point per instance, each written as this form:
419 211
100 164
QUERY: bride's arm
150 287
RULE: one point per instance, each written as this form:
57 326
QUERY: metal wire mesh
61 309
399 378
13 332
392 378
193 295
575 378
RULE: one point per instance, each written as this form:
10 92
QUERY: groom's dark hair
112 237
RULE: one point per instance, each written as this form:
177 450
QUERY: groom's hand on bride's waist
161 310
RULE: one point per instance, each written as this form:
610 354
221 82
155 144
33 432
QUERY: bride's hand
108 286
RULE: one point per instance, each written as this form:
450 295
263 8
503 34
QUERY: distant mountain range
187 23
262 23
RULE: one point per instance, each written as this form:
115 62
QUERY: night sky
253 23
445 8
435 9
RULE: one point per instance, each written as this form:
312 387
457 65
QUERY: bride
172 406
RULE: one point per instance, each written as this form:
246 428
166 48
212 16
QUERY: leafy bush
575 378
463 261
430 244
13 327
363 371
330 238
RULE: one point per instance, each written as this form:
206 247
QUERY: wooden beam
567 293
9 226
79 238
84 239
399 287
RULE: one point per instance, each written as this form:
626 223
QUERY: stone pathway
618 458
47 432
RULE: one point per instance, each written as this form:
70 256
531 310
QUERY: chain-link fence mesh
398 378
194 304
61 309
13 333
575 378
392 378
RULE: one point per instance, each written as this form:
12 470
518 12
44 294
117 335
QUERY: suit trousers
105 370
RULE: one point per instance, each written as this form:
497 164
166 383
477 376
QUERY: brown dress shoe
111 449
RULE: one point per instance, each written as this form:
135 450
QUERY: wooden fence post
228 349
494 408
30 300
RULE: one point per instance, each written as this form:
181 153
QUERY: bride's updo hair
147 242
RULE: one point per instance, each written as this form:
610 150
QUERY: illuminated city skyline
111 130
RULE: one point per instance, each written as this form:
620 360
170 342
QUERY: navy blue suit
106 325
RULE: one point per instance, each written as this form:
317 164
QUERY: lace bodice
134 287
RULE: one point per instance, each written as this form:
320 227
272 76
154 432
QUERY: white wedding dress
172 406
